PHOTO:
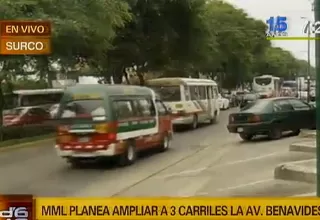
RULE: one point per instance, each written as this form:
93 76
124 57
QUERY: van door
210 101
165 125
215 100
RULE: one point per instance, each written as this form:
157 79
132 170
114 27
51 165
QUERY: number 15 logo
278 23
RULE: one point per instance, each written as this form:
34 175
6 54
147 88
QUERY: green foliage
183 36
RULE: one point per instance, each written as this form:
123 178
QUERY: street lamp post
317 18
308 68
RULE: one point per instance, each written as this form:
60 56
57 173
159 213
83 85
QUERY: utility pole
317 49
308 70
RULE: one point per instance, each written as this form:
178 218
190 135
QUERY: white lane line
199 170
193 187
250 159
244 185
313 194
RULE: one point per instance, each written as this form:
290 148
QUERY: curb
294 172
308 134
30 144
307 147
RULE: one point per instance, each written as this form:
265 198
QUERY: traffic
197 124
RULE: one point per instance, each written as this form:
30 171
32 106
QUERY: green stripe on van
136 125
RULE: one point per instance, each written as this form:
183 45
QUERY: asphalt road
205 162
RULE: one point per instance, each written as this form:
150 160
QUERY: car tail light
254 118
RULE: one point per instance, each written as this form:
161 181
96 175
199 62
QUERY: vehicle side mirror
169 110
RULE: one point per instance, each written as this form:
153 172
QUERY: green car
272 117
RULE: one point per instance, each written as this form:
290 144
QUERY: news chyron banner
25 38
26 208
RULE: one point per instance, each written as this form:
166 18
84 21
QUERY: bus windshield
168 93
263 81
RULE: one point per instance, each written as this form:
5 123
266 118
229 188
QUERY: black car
248 98
271 117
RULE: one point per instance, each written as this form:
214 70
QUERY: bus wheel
129 156
194 122
166 142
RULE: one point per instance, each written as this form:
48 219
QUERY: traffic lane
271 188
185 146
41 172
222 168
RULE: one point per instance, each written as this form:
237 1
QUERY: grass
10 143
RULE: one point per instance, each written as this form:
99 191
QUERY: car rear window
257 106
82 108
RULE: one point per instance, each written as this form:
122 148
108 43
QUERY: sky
293 10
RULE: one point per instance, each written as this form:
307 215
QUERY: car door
283 115
304 114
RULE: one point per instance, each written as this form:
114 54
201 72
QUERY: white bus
267 86
192 101
37 97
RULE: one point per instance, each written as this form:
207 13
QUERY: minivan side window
299 105
161 108
146 107
123 109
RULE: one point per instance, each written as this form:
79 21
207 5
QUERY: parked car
25 115
248 98
271 117
224 103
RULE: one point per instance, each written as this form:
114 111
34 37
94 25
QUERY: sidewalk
306 146
304 171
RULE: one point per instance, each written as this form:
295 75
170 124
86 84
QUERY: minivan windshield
82 109
168 93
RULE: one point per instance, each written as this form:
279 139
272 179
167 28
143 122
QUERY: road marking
313 194
217 156
244 185
249 159
199 170
192 188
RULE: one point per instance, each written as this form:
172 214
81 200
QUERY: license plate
240 129
83 139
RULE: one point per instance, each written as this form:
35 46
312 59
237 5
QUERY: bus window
215 93
168 93
194 93
209 92
202 92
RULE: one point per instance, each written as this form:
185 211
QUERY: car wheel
194 124
129 156
246 137
275 134
296 132
166 143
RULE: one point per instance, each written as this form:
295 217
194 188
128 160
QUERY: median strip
24 142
